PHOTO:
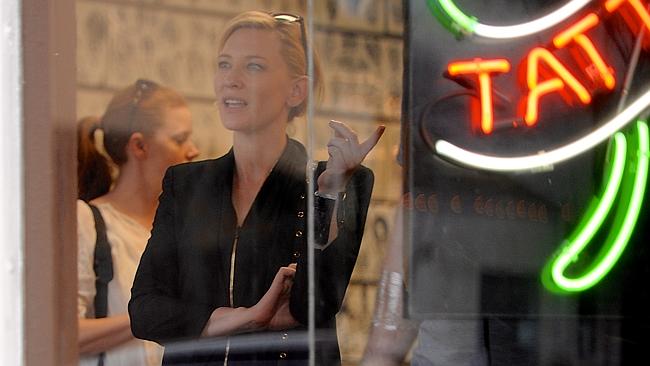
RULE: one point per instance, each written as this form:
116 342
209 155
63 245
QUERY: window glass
207 281
525 237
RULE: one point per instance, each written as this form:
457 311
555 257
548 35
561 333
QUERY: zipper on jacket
233 254
231 287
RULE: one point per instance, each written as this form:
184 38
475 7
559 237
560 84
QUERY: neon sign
483 68
535 162
576 33
626 170
461 24
632 191
542 61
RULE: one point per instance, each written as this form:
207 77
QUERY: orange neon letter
637 6
483 68
636 9
576 33
537 89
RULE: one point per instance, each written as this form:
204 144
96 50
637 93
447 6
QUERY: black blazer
184 272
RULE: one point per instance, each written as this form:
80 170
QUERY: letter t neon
482 68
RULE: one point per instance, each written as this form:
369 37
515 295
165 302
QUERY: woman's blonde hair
292 49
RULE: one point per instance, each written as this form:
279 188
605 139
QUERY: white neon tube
543 159
532 27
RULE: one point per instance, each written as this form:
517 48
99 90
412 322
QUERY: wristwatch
324 209
340 196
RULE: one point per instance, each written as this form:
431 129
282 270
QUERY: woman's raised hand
345 154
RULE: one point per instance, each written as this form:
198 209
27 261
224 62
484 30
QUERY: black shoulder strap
102 264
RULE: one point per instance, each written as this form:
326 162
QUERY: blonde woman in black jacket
228 251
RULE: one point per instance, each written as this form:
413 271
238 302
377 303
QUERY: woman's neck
255 155
130 197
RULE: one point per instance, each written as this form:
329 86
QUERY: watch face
527 156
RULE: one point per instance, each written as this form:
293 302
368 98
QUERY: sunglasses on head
292 18
143 89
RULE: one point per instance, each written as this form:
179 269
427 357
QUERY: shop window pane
525 261
205 258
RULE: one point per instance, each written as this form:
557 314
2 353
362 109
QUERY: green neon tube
465 22
627 215
450 13
629 207
595 214
454 20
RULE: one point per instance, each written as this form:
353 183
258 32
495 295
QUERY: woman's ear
298 92
137 147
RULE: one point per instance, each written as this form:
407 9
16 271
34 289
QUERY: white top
127 239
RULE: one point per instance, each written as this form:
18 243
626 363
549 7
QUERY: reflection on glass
228 249
360 53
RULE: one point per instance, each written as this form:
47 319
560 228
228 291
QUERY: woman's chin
234 124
